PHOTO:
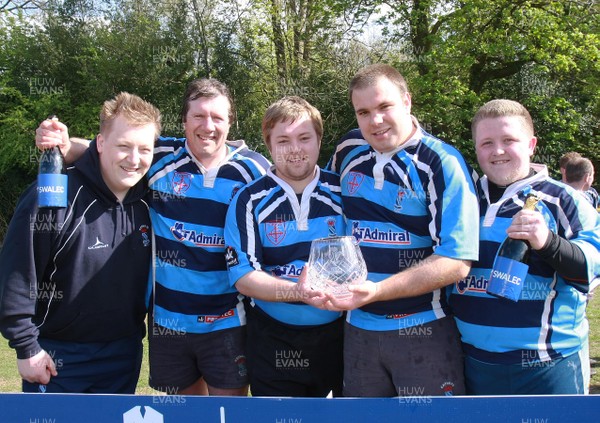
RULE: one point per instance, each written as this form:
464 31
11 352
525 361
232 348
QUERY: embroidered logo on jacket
145 231
99 244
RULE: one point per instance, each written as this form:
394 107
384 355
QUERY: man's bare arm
261 285
432 273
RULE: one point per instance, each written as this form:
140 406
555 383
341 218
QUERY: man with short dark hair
564 159
410 201
199 319
579 174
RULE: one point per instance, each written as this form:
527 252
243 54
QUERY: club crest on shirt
331 230
354 181
181 182
399 197
234 191
145 231
276 231
240 360
448 389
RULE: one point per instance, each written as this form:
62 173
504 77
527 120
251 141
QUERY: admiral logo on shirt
375 235
472 283
288 270
197 238
231 257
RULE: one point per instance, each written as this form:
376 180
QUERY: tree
14 6
455 55
544 54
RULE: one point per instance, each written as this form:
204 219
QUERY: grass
593 314
10 381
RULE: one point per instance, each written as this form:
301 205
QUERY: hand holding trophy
334 264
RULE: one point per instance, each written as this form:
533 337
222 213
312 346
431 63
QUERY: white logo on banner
135 415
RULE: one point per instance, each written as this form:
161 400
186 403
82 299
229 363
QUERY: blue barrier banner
62 408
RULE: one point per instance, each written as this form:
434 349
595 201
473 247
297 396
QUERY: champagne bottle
52 178
511 264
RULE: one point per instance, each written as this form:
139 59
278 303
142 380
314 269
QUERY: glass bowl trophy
334 264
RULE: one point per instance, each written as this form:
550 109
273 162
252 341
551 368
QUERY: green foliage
543 54
70 57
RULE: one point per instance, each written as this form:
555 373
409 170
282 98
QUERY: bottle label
52 190
507 278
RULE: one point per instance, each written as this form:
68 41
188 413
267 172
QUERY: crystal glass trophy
335 263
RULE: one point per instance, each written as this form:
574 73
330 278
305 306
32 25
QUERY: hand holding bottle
530 226
52 177
510 268
52 133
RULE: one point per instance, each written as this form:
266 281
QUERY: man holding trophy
294 348
410 201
